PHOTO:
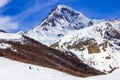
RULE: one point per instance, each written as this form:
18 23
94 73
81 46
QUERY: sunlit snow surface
12 70
96 60
48 34
10 36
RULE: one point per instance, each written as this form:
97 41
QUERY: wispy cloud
3 2
7 24
35 8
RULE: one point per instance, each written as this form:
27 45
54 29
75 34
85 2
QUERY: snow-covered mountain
61 21
27 50
97 45
75 44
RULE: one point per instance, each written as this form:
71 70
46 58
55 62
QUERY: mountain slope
97 45
22 71
29 51
61 21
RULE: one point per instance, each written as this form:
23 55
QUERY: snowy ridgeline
104 60
58 23
22 71
10 36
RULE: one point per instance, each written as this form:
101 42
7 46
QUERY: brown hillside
30 51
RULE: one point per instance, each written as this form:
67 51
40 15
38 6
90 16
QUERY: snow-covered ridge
63 6
10 36
97 45
4 36
58 23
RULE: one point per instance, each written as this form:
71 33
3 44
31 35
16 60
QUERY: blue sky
16 15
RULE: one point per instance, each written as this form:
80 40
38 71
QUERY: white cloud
3 2
7 24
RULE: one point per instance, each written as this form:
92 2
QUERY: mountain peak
68 9
61 20
66 13
63 6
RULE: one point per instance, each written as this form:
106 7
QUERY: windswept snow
12 70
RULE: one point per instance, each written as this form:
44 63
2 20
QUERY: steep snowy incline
12 70
97 45
58 23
